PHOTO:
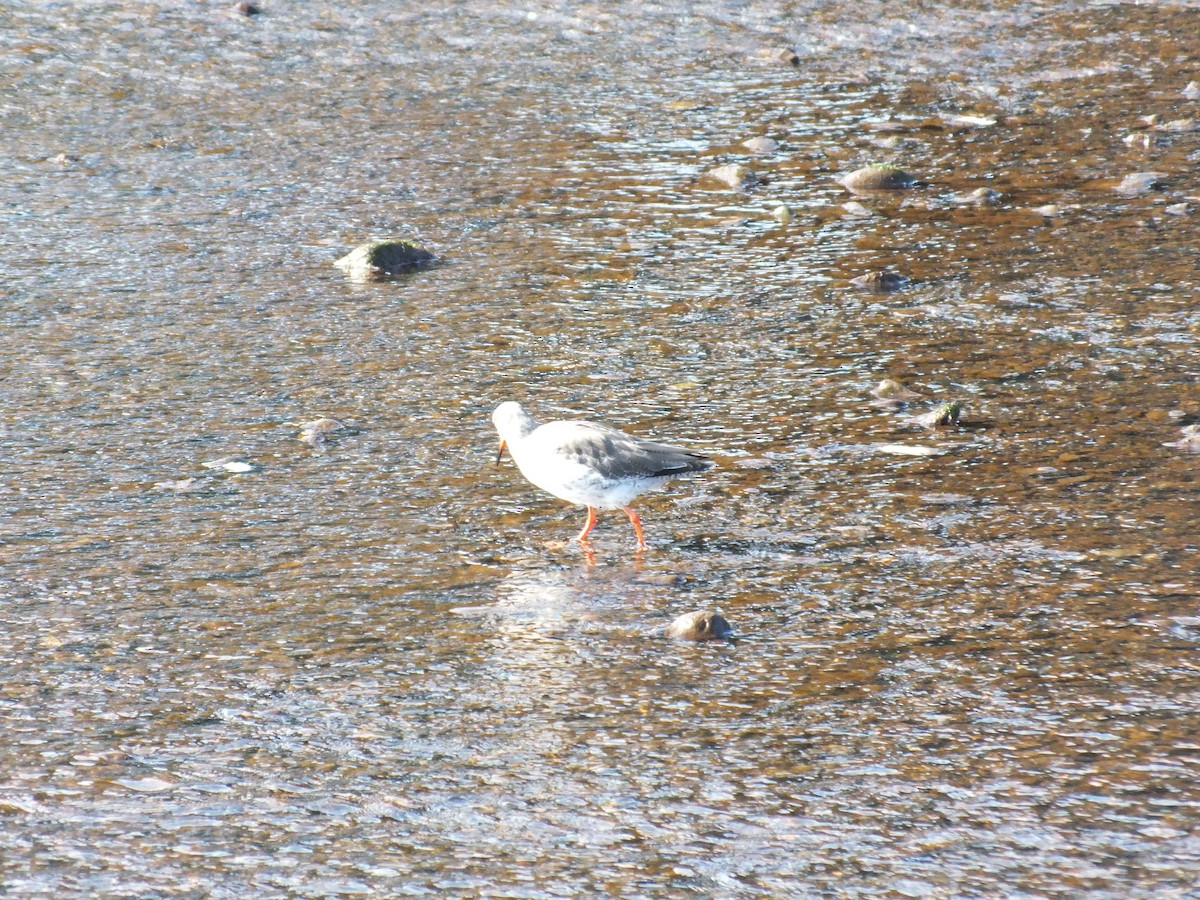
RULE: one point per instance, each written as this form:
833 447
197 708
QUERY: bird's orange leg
636 520
587 528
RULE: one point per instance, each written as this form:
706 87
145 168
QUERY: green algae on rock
380 260
943 414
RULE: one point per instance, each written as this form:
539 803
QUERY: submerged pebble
893 391
181 486
761 144
981 197
854 208
703 625
1141 183
754 462
315 433
733 175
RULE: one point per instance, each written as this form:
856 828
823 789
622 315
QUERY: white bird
589 464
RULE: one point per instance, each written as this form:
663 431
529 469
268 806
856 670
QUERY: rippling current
359 668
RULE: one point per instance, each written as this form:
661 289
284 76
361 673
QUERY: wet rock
943 414
662 579
737 177
180 486
380 260
245 8
1189 439
1141 183
785 55
877 177
236 465
880 282
963 121
1192 91
15 805
1140 140
981 197
704 625
65 160
316 432
856 209
1049 211
761 145
144 785
1178 209
890 126
782 214
891 391
908 450
1179 126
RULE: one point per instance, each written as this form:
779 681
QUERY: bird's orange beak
500 452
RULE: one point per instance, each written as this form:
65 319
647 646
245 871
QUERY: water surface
357 668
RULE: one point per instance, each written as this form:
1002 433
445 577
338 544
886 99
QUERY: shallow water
357 668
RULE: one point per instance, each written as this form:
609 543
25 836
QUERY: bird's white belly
581 485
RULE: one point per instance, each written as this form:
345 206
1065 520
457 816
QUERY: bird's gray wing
614 454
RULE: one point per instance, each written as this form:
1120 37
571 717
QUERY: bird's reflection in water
544 631
546 602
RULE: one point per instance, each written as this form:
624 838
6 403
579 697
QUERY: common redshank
589 464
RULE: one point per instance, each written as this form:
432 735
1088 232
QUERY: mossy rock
943 414
380 260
